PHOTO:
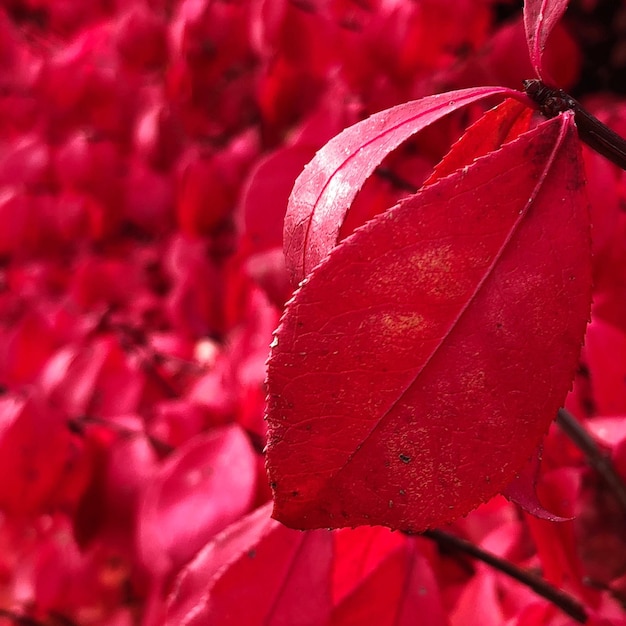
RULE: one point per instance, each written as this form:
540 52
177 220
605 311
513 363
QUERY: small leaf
400 591
605 349
540 17
417 367
479 602
326 188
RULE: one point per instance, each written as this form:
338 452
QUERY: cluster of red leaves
147 150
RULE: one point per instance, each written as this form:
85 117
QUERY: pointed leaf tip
540 18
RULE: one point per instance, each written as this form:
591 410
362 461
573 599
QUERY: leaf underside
324 191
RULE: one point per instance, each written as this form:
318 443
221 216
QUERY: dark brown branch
600 461
591 130
562 600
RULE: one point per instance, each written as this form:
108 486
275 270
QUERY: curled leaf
326 188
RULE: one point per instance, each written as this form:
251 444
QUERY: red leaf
37 455
96 379
522 490
203 487
326 188
204 198
108 507
265 194
540 17
267 269
401 591
418 366
497 126
358 553
557 544
256 572
479 603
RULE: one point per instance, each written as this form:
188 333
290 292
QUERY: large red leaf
540 17
417 367
256 573
326 188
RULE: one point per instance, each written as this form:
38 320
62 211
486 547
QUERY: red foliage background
147 150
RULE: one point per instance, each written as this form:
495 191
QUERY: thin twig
562 600
600 461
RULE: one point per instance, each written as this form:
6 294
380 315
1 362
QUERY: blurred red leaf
605 349
415 355
96 379
108 507
204 199
522 490
203 487
358 552
556 544
264 197
37 451
256 572
326 188
400 591
479 602
141 38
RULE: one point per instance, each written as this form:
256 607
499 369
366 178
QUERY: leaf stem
600 461
559 598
